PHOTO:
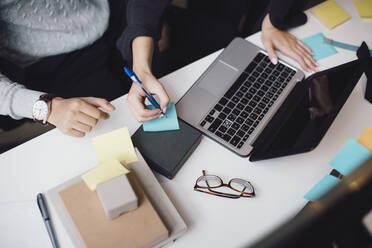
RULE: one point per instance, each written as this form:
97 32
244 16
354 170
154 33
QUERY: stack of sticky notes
364 8
330 13
350 157
319 48
109 178
166 123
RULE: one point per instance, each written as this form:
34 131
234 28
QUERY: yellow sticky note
364 8
330 14
366 139
110 169
117 145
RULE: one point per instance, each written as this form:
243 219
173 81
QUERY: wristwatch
41 108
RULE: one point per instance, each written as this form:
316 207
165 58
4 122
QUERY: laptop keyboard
240 110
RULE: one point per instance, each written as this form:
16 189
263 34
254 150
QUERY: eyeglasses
208 183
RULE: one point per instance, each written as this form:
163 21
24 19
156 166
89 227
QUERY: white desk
280 184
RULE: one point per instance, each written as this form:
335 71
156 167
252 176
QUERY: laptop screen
318 105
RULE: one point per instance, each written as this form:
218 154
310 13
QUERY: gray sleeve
15 100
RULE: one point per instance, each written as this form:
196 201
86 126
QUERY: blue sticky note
170 122
322 187
351 156
319 47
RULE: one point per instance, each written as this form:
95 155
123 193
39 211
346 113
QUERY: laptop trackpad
218 79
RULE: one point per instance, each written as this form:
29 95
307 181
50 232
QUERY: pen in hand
135 79
45 215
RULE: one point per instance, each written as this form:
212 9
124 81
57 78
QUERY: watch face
40 110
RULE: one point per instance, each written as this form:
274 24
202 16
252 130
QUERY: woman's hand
273 38
143 48
136 98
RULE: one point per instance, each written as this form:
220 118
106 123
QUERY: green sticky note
166 123
322 187
350 157
319 47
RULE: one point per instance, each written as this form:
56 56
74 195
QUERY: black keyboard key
249 122
236 85
280 67
272 78
255 124
251 130
257 111
273 90
219 134
223 101
248 109
246 137
244 114
265 100
236 111
276 73
240 145
218 107
252 79
250 67
259 57
222 116
261 117
244 101
227 123
271 66
240 120
222 129
212 128
244 89
247 84
203 123
260 93
252 90
231 132
226 110
269 95
240 133
267 59
240 106
256 98
261 80
231 105
264 75
268 83
276 84
209 118
281 79
259 69
235 126
265 110
231 117
285 74
293 73
261 105
268 70
256 85
253 116
252 104
235 99
245 127
248 96
212 112
255 74
234 141
239 94
264 88
226 137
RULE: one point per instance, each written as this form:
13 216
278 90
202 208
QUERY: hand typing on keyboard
273 38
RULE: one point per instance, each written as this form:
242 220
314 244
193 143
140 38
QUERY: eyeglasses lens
209 181
241 185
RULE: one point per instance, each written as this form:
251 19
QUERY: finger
135 103
307 57
269 46
94 111
297 56
86 119
163 96
82 127
75 133
100 102
304 46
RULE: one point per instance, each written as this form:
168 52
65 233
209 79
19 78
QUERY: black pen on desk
48 223
132 75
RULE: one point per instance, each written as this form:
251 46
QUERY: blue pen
134 78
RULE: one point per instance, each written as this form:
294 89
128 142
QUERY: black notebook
166 152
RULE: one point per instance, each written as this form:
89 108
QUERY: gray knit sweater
33 29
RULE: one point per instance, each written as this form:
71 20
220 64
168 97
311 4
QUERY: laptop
262 110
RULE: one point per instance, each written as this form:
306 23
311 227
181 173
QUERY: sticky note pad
319 47
351 156
366 139
364 8
322 187
166 123
117 145
105 171
330 14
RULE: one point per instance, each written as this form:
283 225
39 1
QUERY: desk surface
53 158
